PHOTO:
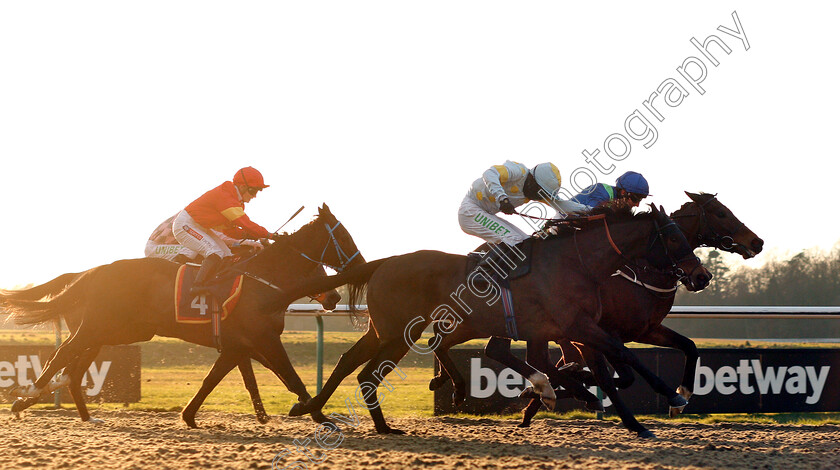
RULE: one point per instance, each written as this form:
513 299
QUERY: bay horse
132 300
634 307
328 300
557 300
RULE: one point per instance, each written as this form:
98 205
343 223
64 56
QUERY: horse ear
324 208
662 209
694 197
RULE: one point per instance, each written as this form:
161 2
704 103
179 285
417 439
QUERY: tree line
809 278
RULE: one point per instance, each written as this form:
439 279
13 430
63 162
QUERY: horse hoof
596 406
675 410
390 430
298 409
458 397
319 417
189 420
263 419
677 401
436 383
524 424
646 434
95 421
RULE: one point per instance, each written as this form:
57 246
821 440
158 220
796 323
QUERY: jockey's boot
205 273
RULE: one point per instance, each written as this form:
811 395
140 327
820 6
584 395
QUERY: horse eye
721 215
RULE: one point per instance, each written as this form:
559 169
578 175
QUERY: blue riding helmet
633 182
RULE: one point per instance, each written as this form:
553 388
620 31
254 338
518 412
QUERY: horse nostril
757 244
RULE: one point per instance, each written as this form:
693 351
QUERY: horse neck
688 219
597 253
281 264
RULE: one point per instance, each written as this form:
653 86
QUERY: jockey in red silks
162 244
220 209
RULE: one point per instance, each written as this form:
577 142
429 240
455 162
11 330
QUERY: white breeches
476 221
196 238
166 251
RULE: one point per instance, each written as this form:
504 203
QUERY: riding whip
290 219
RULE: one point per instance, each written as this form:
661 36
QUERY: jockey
503 188
630 188
221 208
162 244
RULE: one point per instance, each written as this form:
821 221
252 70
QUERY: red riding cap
249 176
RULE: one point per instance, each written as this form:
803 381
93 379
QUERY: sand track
132 439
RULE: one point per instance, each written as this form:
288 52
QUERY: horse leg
447 365
226 361
590 334
71 374
272 351
664 336
247 371
361 352
442 376
499 350
603 375
64 355
77 371
385 360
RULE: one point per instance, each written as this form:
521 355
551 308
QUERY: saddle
199 309
505 263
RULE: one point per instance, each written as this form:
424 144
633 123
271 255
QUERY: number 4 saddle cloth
197 309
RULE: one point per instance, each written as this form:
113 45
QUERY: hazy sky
115 115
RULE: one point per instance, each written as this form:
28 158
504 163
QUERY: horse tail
26 311
48 289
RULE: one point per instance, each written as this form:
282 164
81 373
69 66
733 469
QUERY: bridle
343 258
709 236
674 269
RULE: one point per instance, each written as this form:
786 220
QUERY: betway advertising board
113 377
727 381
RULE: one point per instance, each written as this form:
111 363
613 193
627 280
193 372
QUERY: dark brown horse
131 300
636 302
634 311
557 300
72 318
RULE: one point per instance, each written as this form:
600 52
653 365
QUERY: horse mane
686 205
562 228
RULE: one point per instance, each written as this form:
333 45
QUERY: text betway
17 373
748 377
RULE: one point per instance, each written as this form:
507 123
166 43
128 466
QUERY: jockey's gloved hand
506 207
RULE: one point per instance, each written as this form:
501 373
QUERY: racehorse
636 302
72 318
131 300
557 300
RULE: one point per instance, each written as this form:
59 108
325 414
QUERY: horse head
669 249
324 242
718 226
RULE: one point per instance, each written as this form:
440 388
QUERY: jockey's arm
494 177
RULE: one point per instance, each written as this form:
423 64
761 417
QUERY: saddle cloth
196 309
